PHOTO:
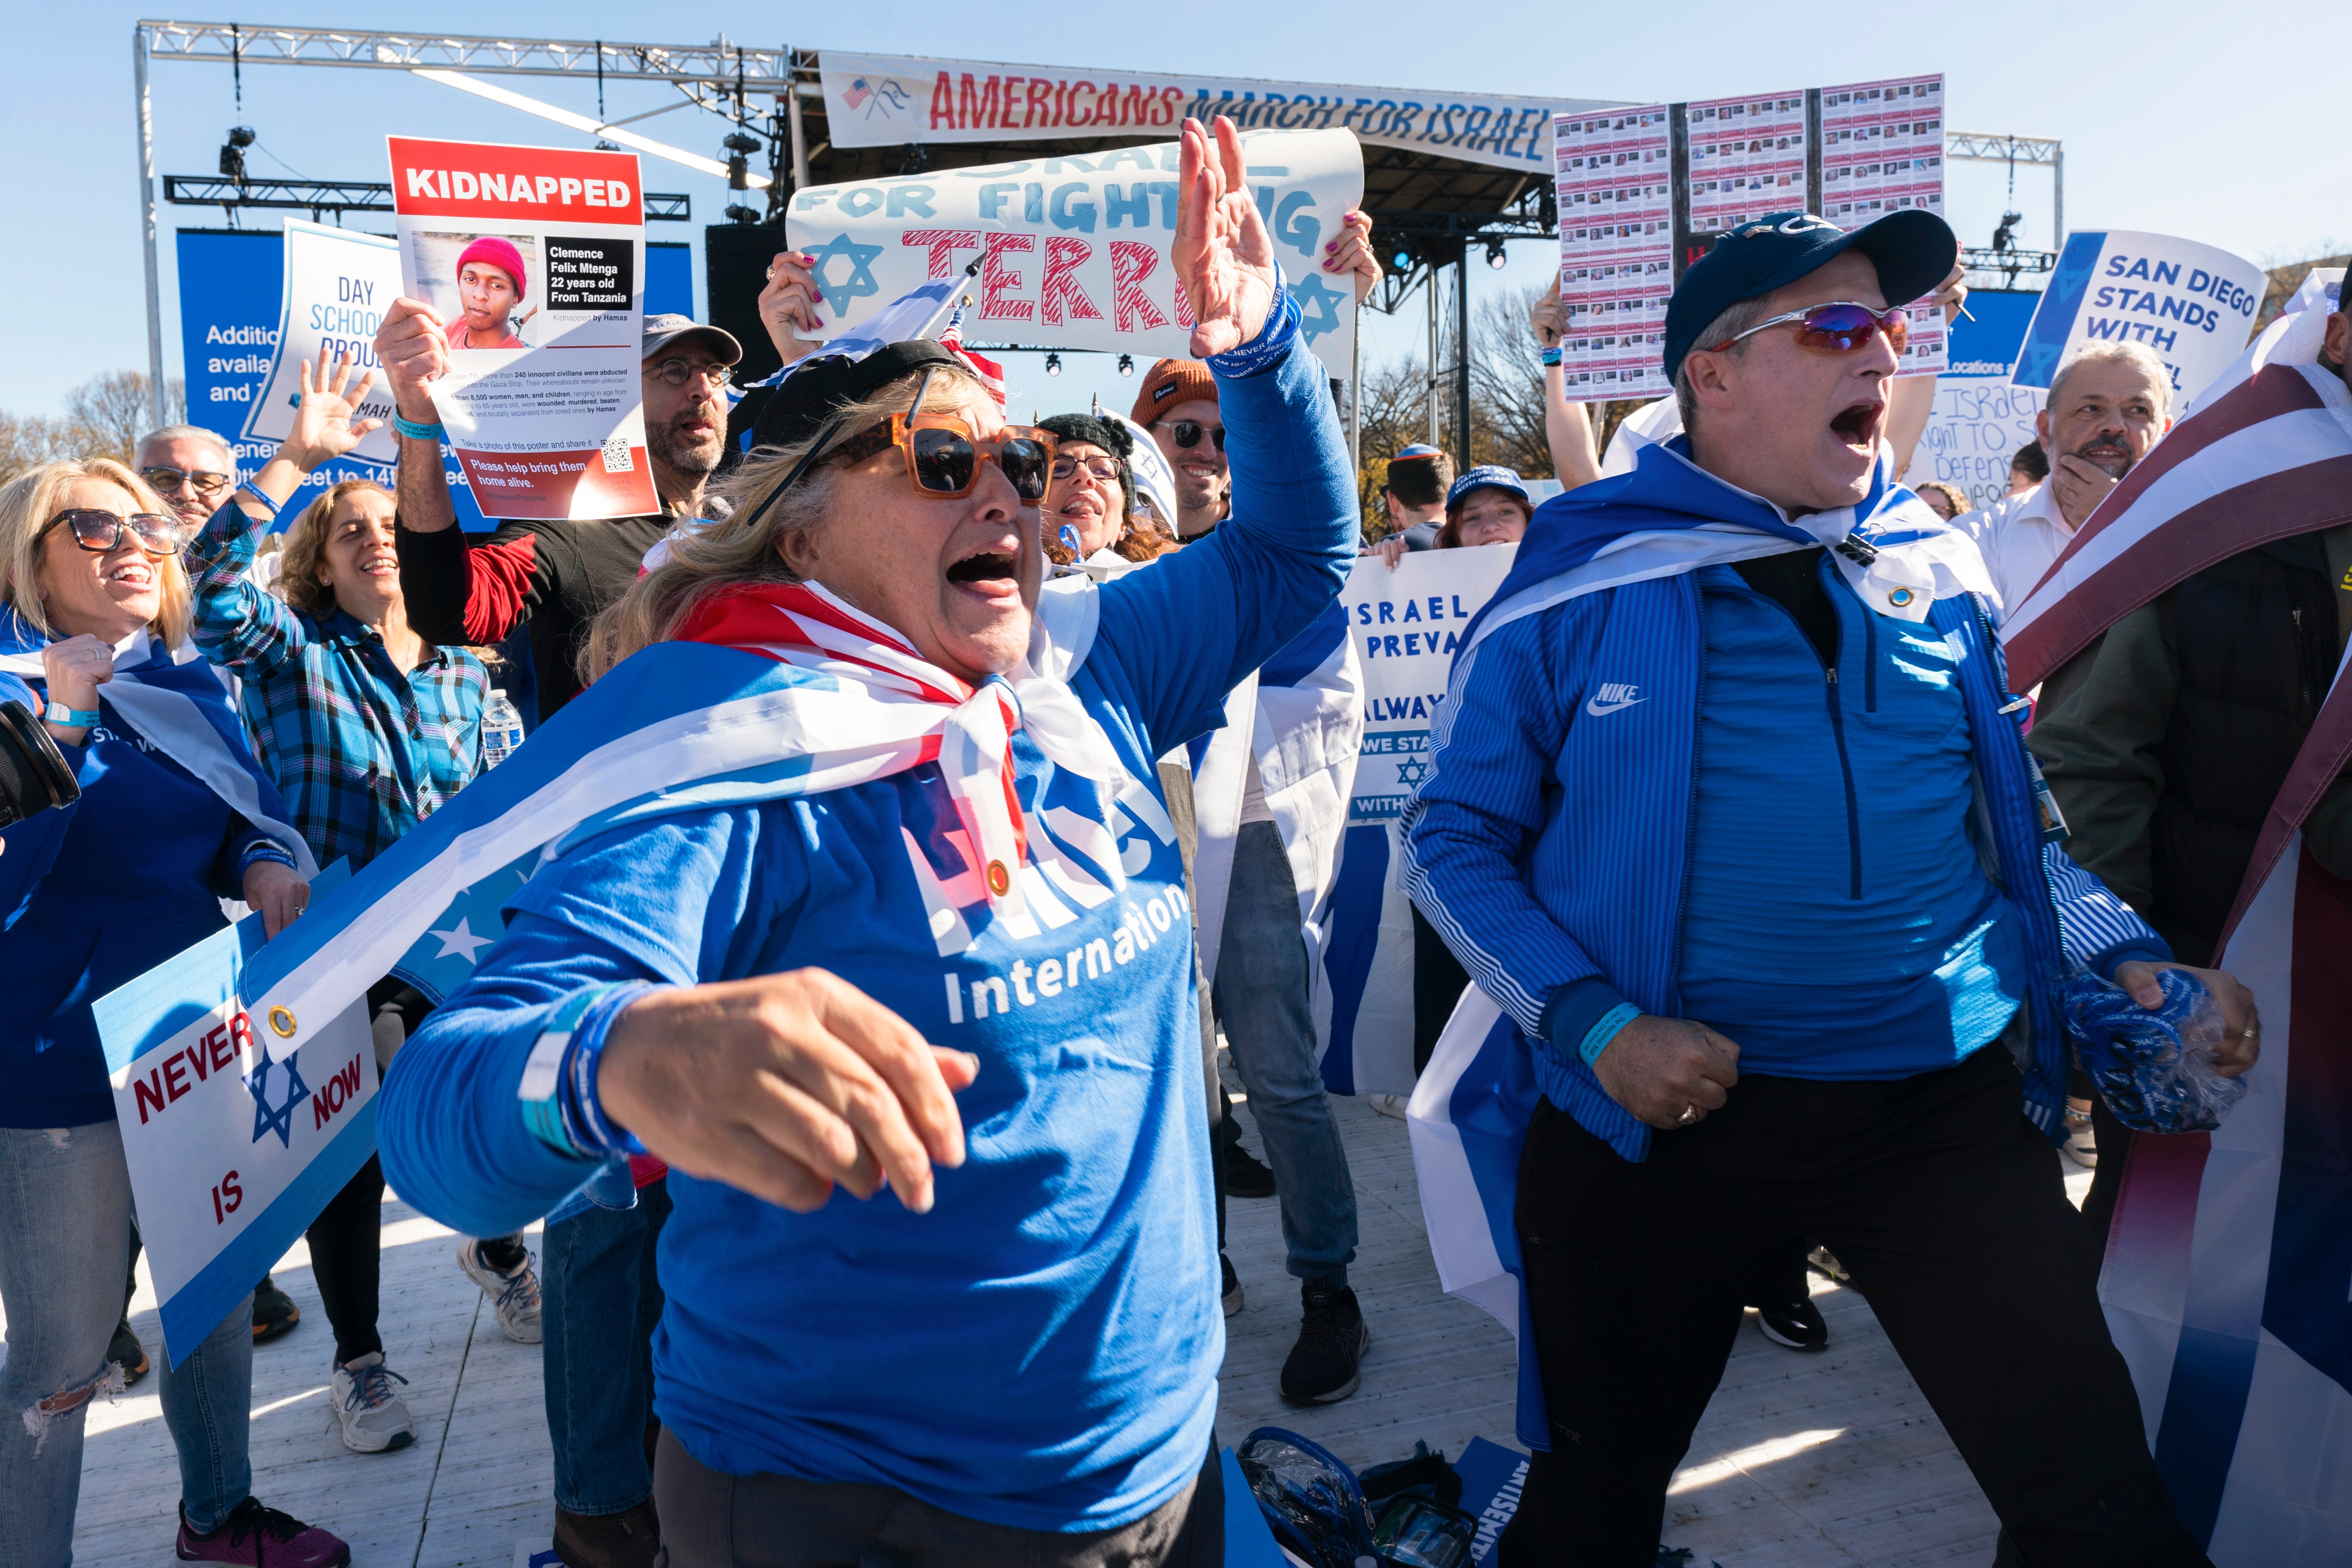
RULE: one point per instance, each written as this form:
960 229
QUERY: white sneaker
2079 1146
1387 1104
516 1294
375 1419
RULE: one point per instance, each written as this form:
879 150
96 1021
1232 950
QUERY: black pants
715 1521
346 1239
346 1261
1948 1209
2114 1140
1438 981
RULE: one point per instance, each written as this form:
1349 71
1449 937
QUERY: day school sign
889 101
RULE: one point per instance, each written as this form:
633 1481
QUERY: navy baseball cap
1486 476
1913 250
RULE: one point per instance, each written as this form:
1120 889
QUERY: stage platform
1827 1461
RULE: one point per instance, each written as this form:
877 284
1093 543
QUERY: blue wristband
82 718
247 489
1272 342
416 432
1596 1038
1550 356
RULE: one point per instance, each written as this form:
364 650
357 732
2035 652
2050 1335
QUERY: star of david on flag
278 1119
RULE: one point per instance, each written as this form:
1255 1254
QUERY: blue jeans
599 1302
65 1241
1261 995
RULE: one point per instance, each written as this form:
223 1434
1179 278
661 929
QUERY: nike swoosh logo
1599 710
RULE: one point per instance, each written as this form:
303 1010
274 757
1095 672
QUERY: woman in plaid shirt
366 729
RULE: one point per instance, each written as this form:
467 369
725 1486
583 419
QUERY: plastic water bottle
501 730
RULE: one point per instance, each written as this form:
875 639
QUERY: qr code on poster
616 456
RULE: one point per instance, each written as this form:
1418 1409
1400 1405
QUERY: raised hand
1222 254
788 305
323 427
1352 253
1544 316
413 346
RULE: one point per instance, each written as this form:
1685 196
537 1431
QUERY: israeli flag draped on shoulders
1469 1112
1300 717
834 699
175 698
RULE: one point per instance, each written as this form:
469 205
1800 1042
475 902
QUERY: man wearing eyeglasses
192 468
552 574
555 575
1730 816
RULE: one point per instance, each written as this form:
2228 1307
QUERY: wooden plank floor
1803 1462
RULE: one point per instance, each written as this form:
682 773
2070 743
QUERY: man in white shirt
2109 404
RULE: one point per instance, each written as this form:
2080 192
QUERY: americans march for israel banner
232 1153
1406 625
2193 304
1074 251
889 100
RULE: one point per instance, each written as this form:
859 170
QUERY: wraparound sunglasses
1839 327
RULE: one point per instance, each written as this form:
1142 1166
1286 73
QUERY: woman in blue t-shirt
173 817
968 979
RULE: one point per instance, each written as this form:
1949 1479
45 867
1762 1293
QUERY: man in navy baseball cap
1724 814
1793 303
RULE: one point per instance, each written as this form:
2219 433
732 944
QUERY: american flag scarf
2224 1281
833 699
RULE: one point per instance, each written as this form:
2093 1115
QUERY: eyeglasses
1188 432
102 531
1103 469
678 372
204 481
1840 327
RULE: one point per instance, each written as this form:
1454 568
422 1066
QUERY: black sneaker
1796 1324
1244 1176
274 1311
126 1350
1230 1290
1326 1364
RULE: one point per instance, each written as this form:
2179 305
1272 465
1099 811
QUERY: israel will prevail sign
1074 251
534 258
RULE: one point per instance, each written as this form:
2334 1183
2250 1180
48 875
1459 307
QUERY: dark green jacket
2166 742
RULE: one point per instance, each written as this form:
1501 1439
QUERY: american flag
859 93
2226 1270
2269 460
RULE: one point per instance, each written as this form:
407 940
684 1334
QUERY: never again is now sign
232 1155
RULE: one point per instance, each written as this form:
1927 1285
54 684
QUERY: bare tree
27 441
110 411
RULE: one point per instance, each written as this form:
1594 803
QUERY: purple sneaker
261 1537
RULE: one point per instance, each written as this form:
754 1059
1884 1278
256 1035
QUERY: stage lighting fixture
231 158
1053 364
739 147
743 214
1127 364
1495 257
1401 261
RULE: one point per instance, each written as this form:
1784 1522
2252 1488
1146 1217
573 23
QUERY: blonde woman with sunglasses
961 971
173 817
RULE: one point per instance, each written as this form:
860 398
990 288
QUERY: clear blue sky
2219 123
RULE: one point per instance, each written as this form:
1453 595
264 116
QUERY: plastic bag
2155 1069
1310 1498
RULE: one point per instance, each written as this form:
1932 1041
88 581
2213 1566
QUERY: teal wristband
71 718
1550 356
1596 1038
416 432
541 1088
